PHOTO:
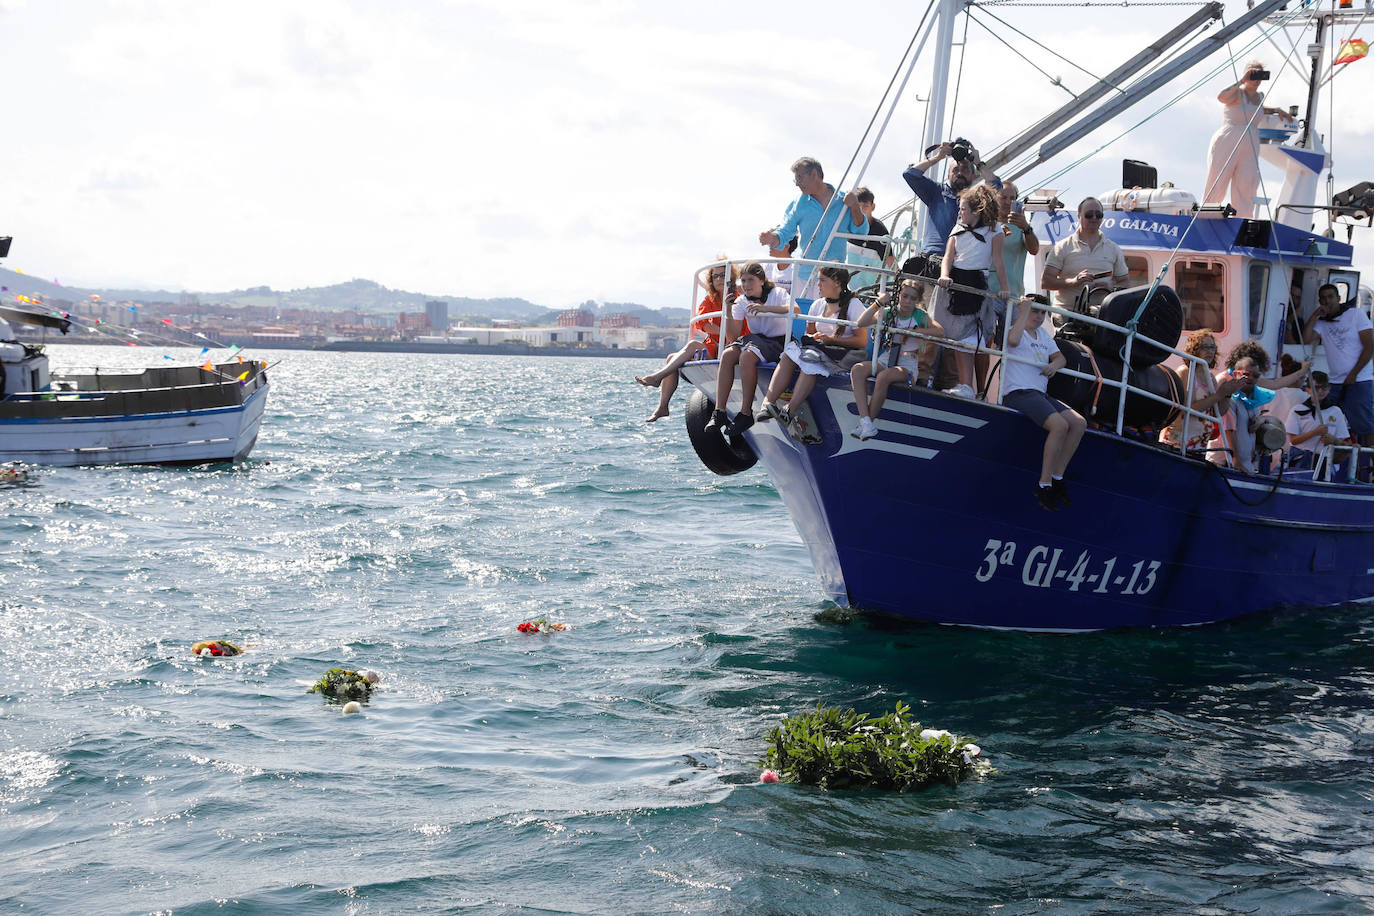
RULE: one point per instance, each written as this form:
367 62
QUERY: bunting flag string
135 337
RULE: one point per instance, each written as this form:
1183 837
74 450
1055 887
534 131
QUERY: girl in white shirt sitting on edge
1032 357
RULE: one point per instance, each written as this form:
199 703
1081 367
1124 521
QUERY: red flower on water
528 627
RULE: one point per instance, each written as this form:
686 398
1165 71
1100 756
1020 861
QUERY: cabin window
1201 285
1256 296
1347 282
1137 270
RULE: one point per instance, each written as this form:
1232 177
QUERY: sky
552 151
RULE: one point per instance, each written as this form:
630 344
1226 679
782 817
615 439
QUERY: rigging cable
1053 80
1049 50
959 80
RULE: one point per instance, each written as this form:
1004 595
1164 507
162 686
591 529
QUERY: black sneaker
720 420
1045 496
742 422
1060 492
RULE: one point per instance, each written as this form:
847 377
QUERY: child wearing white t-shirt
1032 356
1310 428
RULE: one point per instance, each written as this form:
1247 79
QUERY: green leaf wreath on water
343 684
842 749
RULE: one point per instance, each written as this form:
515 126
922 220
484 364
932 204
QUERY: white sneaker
961 391
867 429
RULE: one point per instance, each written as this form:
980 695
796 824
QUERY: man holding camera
1347 335
942 200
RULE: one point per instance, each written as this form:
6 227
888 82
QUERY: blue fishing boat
1154 536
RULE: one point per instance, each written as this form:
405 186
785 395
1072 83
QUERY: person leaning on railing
703 335
1207 395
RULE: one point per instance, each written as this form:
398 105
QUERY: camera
1260 75
960 149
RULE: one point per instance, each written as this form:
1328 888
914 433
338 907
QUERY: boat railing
106 399
1348 456
886 278
890 277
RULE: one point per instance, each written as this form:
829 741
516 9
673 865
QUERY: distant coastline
385 346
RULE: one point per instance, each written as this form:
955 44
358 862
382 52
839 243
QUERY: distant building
619 321
407 321
576 318
437 312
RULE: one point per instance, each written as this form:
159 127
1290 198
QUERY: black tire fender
722 454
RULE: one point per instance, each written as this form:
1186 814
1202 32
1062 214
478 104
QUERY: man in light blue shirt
820 210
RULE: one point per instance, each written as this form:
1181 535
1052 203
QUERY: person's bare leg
885 380
725 375
1056 431
1076 427
749 381
665 394
858 380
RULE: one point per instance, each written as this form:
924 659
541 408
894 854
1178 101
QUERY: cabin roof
1253 238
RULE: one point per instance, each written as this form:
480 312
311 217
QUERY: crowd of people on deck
957 290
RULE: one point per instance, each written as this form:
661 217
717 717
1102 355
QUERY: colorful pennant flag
209 366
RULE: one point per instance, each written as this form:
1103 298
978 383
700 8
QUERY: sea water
406 512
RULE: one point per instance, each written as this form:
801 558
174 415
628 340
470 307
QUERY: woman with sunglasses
703 335
1208 396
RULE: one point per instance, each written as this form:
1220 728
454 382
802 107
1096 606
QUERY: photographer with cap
1346 333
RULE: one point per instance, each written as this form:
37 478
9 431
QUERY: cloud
510 147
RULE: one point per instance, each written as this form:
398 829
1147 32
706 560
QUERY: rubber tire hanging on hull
721 454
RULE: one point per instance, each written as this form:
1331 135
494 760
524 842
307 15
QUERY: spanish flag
1352 50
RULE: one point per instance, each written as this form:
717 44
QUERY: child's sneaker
867 429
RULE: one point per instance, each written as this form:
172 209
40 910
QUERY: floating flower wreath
344 684
843 749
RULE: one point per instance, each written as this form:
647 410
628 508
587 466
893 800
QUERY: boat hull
189 435
936 520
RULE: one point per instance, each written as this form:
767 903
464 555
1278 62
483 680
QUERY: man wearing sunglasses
1084 260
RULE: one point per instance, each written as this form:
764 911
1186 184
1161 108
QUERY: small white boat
172 415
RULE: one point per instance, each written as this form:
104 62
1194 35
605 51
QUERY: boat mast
1314 50
947 12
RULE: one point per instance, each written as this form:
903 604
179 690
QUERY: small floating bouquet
344 684
843 749
216 648
541 625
